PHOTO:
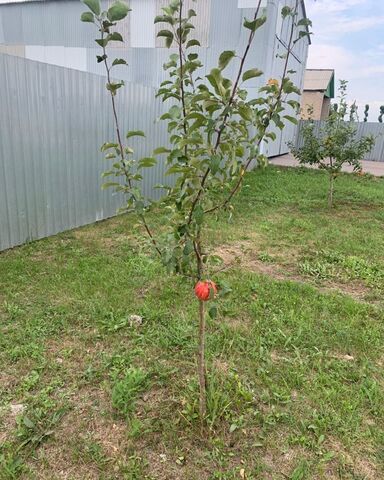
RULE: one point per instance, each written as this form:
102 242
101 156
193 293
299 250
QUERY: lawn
296 354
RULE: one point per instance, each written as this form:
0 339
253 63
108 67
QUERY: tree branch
271 112
224 123
119 139
182 91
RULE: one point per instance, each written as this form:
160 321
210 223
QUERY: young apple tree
335 144
215 133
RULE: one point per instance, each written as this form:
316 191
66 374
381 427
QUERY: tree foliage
215 133
381 114
334 144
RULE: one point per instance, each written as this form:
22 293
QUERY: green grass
295 356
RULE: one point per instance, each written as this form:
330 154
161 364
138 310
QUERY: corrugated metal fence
52 123
363 128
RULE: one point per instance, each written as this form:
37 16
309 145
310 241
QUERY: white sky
349 37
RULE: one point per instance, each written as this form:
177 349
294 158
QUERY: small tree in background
215 136
353 115
381 114
336 143
366 113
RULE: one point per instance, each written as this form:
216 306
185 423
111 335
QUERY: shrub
335 144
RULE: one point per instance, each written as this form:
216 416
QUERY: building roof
318 80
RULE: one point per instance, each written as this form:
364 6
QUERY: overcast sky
349 37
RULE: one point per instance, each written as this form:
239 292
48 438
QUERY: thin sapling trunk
202 370
215 134
331 183
331 190
201 362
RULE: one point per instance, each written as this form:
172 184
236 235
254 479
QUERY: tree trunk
201 364
331 190
202 369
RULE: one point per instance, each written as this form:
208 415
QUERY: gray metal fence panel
363 128
52 123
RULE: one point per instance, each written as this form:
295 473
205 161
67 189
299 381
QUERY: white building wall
51 32
141 17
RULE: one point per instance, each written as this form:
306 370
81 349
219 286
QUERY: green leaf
106 185
164 19
291 119
160 150
245 112
193 43
285 11
113 87
199 214
306 22
188 26
108 146
271 135
304 34
214 163
212 312
175 112
93 5
254 24
192 56
116 37
118 11
165 33
147 162
103 42
216 80
254 72
168 37
191 13
87 17
173 6
199 122
119 61
188 249
139 207
225 58
294 104
257 101
175 169
276 119
135 133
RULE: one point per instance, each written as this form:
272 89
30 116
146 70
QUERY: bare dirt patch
87 423
359 466
244 254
